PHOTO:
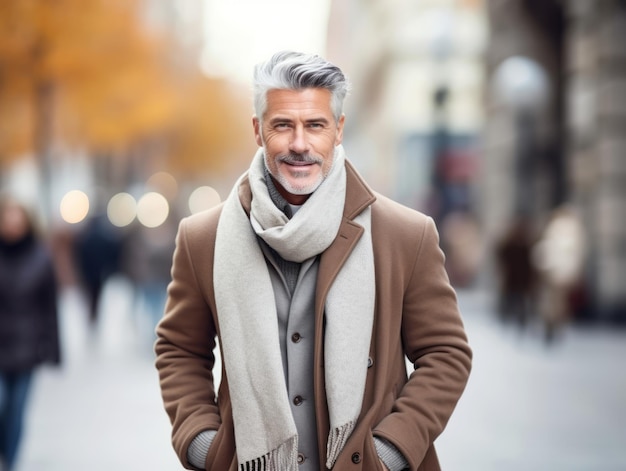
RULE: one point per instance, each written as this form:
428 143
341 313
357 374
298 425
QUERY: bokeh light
122 209
74 206
152 209
164 183
203 197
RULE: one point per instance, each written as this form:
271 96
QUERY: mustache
294 157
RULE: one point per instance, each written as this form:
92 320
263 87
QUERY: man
316 288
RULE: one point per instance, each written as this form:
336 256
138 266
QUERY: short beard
295 157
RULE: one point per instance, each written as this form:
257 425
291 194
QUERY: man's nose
299 142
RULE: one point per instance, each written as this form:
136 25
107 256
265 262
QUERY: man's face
298 133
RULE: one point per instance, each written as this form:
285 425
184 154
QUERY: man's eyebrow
285 119
319 119
280 119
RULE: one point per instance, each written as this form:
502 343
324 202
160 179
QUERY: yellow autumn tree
87 74
80 72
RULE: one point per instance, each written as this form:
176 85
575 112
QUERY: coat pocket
371 461
222 455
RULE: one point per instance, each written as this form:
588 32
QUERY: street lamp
522 86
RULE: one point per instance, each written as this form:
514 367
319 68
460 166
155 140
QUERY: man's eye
281 125
316 125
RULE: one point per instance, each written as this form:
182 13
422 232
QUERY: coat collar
358 194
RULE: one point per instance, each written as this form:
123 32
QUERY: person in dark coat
29 333
97 253
518 287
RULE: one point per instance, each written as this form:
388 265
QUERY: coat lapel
358 197
335 256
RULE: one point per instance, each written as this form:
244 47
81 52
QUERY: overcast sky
240 33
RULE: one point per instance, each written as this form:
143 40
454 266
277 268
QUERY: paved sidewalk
527 406
532 406
101 410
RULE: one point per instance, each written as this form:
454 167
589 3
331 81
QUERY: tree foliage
90 74
214 126
82 69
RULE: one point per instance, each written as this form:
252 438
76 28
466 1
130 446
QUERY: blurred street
102 409
528 405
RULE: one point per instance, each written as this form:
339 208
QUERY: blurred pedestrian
97 250
559 257
463 243
318 290
517 275
29 333
146 261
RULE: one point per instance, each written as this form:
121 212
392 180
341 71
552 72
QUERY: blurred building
416 111
415 114
555 128
503 108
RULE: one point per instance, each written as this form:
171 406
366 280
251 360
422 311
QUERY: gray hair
289 70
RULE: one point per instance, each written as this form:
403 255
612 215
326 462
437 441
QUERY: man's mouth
300 160
299 163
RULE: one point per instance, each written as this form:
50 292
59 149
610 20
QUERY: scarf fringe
282 458
337 439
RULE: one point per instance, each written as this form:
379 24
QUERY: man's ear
256 124
339 136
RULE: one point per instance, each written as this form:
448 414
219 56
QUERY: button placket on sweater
300 334
296 319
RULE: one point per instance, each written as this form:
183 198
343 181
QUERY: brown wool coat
416 315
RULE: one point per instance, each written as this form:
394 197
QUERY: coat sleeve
435 342
185 344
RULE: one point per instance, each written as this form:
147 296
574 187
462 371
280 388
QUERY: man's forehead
313 99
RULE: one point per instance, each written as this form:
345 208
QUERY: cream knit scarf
265 433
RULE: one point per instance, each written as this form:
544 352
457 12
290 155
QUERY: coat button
295 338
370 362
297 400
356 458
301 458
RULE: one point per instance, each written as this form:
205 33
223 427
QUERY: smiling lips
299 163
